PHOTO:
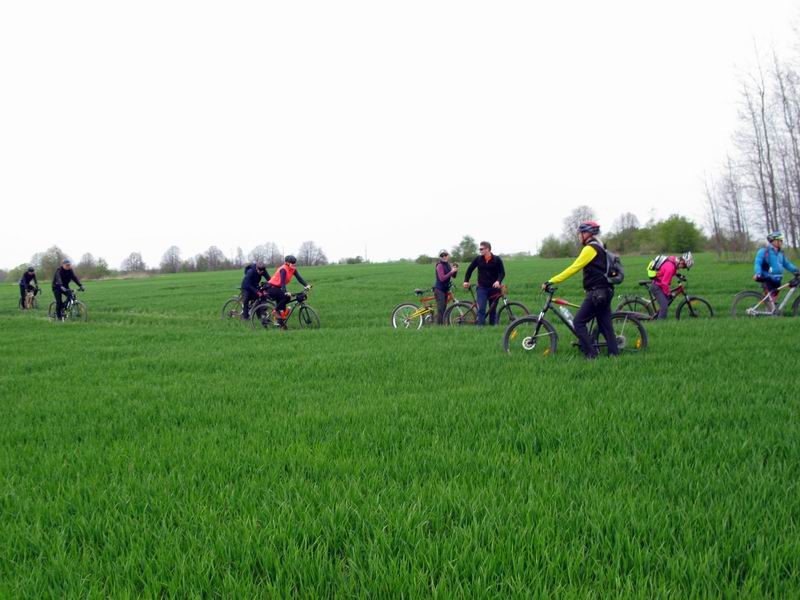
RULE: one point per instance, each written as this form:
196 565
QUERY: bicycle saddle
419 292
645 282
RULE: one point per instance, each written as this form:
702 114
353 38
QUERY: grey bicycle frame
778 309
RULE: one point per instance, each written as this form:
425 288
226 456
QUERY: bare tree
216 258
574 219
310 254
87 262
171 260
239 259
269 253
133 263
625 222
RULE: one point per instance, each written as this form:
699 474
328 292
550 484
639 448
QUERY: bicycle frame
494 299
768 298
548 307
428 307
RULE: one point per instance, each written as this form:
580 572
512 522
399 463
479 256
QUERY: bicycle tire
622 323
695 308
531 335
510 312
639 306
51 311
307 318
401 316
744 301
77 312
461 313
228 312
796 307
261 315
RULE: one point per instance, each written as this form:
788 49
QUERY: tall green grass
157 451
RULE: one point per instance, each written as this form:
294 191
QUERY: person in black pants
491 273
277 287
25 285
253 273
599 293
444 273
61 280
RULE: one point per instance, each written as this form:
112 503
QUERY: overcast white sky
397 126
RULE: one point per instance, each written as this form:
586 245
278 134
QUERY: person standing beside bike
445 272
660 288
599 293
250 284
277 287
25 285
61 280
770 263
490 277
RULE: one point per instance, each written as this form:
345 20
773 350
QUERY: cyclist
660 288
490 276
61 280
599 293
445 272
253 273
25 285
277 287
769 265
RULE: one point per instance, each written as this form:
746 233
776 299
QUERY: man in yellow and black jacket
599 292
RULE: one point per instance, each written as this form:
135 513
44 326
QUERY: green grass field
157 451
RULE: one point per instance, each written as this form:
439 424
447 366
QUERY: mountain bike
693 307
232 309
760 304
413 316
537 336
264 316
30 301
73 309
466 313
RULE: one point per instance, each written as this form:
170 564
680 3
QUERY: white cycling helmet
687 258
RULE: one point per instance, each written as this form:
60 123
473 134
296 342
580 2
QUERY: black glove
80 287
63 289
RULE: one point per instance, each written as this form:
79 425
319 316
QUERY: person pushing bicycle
770 263
491 273
660 288
599 293
277 287
445 273
25 285
253 273
61 280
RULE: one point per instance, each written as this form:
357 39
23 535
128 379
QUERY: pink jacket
665 274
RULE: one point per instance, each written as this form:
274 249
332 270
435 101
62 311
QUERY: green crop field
158 451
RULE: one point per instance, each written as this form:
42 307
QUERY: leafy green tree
552 247
424 259
465 250
677 234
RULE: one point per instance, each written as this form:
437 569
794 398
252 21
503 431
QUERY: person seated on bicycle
445 272
491 273
253 273
61 280
770 263
599 293
277 287
25 285
660 287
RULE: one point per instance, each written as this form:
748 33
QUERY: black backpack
615 272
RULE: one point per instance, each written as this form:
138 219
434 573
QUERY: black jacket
594 274
26 279
488 271
63 277
252 278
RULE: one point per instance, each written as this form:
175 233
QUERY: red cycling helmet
589 227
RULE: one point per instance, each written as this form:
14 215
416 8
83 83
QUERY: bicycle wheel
796 307
644 309
461 313
511 312
530 334
307 318
694 308
51 311
407 316
232 309
629 332
76 312
34 303
748 304
261 316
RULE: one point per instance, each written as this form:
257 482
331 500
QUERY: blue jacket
770 263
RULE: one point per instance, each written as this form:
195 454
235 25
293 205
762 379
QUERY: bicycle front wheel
642 308
76 312
461 313
51 311
796 307
531 335
749 304
407 316
694 308
628 330
232 309
307 318
511 312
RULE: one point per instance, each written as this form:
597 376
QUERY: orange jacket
276 278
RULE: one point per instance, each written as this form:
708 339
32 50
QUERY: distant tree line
757 189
